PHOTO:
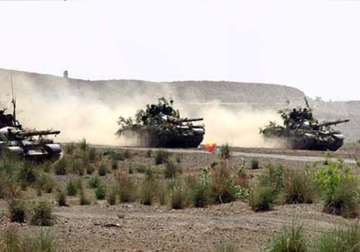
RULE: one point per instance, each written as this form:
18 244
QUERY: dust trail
84 113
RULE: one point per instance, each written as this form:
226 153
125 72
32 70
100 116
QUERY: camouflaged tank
29 144
301 131
160 125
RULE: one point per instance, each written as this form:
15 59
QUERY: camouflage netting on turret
302 131
160 125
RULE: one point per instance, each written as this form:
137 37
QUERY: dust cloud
84 114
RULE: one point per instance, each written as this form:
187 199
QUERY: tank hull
306 140
156 139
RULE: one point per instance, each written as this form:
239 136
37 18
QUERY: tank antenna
13 100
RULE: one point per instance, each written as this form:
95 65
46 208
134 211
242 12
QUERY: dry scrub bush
149 189
223 188
126 188
12 241
61 198
17 211
172 169
261 198
111 196
42 215
178 194
161 156
345 239
299 187
60 167
291 239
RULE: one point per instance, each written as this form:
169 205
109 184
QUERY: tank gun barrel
38 133
325 124
191 120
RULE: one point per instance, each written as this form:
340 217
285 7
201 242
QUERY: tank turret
301 130
160 125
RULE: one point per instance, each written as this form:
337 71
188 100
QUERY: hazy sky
312 45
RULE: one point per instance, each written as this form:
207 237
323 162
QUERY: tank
160 126
29 144
301 131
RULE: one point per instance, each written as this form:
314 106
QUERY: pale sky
312 45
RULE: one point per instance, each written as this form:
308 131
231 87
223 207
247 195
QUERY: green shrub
127 154
161 156
225 151
102 170
346 239
71 188
201 191
261 198
100 192
139 168
60 167
149 153
254 164
273 177
83 145
291 239
69 148
92 155
114 155
339 189
61 198
46 183
299 187
27 175
77 167
17 211
171 169
114 164
90 169
42 215
94 182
